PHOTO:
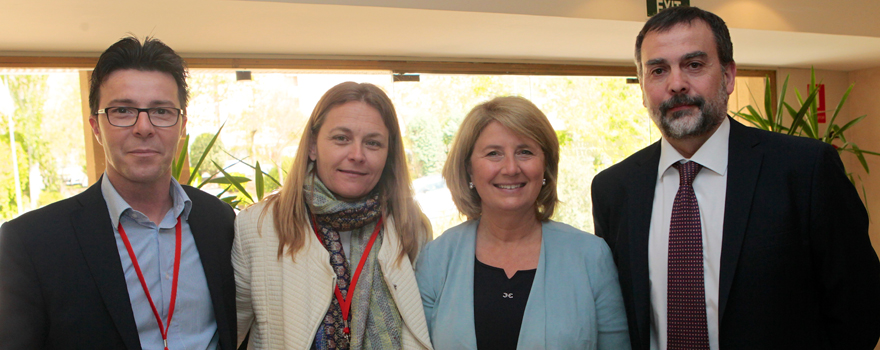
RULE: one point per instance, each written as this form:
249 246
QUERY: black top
499 305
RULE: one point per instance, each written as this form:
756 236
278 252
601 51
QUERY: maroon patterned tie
686 302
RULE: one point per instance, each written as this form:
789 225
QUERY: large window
599 121
40 110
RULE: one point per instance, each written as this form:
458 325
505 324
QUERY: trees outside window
50 154
599 121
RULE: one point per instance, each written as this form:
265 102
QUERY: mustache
679 100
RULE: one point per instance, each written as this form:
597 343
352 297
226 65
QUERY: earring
544 182
471 185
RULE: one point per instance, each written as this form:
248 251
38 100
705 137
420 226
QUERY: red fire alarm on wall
820 108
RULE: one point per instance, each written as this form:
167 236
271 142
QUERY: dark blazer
61 279
797 267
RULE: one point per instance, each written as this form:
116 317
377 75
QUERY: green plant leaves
805 119
229 180
837 111
210 145
261 179
234 182
258 181
768 100
177 166
802 119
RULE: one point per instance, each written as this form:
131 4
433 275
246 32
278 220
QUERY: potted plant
805 120
223 178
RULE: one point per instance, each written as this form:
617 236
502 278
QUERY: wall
864 101
813 16
748 91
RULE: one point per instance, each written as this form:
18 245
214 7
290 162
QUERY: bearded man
729 237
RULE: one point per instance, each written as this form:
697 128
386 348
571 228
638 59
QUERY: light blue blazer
575 300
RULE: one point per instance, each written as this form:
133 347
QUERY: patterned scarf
374 320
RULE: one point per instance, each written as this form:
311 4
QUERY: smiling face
350 150
507 170
684 85
140 154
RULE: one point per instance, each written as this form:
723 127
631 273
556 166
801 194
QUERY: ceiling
833 35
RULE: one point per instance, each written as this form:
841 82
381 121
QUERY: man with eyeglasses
137 261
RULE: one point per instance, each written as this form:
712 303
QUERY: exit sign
655 6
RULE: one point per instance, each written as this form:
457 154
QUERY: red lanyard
162 327
345 303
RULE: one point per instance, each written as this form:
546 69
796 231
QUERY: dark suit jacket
61 279
797 267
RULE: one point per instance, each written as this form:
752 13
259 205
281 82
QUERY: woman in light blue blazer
509 278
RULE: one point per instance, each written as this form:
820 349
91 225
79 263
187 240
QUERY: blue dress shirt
193 325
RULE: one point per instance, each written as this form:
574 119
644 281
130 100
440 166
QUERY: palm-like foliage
805 120
223 178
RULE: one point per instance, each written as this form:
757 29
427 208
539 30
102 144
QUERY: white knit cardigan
282 302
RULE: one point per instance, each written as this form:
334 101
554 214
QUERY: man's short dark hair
128 53
673 16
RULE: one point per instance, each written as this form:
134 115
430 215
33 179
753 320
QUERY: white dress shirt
710 186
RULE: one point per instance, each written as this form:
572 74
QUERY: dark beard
710 114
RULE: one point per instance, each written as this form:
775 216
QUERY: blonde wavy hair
523 118
290 212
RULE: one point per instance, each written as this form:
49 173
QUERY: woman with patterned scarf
326 263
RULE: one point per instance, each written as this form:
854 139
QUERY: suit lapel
743 168
205 234
96 240
640 197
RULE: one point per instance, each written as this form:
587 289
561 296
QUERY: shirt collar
117 206
711 155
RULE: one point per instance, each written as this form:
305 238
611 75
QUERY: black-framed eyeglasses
160 117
